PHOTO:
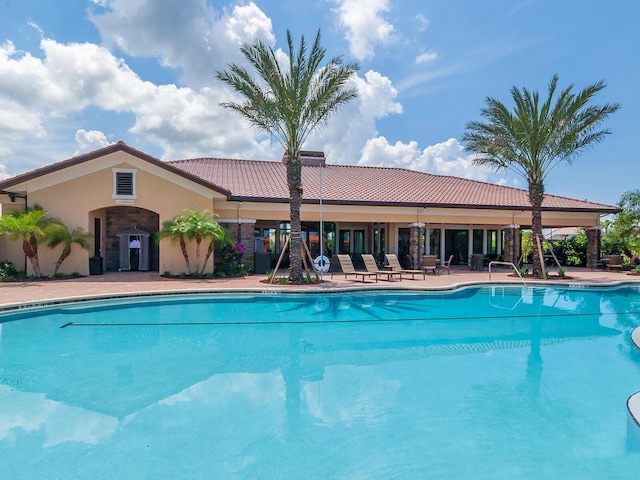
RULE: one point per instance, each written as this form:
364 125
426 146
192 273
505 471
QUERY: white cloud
71 77
90 140
426 57
423 22
449 158
47 94
445 158
349 129
188 36
377 152
365 25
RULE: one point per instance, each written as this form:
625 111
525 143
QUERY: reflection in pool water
479 383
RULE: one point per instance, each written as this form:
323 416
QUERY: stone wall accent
593 246
511 252
415 232
122 218
243 232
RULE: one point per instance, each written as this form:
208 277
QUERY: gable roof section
253 180
5 185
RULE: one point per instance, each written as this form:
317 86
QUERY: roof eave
310 201
119 146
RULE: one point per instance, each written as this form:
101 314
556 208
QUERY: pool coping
274 289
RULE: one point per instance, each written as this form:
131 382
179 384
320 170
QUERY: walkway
123 283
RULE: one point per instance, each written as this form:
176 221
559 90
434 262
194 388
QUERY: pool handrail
496 262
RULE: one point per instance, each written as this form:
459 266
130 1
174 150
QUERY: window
477 241
344 241
434 241
492 241
124 183
358 241
285 230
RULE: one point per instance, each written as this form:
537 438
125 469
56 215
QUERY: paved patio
112 284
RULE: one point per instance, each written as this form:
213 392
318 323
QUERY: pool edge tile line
294 290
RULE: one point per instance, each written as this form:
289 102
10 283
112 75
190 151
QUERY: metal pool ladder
495 262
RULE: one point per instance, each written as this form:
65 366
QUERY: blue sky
76 75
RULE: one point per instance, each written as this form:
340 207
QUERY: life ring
322 263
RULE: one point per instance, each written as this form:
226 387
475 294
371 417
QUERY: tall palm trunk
30 248
198 242
185 254
66 251
536 197
206 258
294 180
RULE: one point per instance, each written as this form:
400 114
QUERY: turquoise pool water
480 383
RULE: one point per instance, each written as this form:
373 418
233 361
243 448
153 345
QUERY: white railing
495 262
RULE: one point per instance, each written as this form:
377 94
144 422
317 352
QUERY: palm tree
200 226
175 231
29 225
193 226
289 105
219 241
59 234
532 139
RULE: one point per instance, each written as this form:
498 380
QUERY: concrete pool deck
110 284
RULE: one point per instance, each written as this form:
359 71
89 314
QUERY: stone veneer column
511 251
593 246
243 233
415 230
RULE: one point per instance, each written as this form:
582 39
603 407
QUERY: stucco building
122 195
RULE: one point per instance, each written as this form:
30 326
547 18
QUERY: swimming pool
493 382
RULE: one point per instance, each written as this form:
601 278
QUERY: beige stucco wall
78 194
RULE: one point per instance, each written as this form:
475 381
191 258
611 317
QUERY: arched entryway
119 219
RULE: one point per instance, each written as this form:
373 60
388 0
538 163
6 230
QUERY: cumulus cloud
449 158
349 129
188 36
90 140
365 25
445 158
70 77
51 90
378 152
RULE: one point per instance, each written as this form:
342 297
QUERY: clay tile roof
266 181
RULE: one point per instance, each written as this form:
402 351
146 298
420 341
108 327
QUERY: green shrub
8 269
571 251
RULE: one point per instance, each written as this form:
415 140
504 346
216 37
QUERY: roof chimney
308 158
